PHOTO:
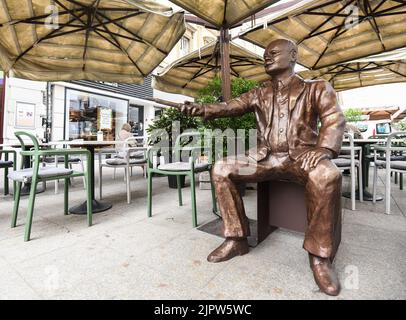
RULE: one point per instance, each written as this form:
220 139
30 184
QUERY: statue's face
279 57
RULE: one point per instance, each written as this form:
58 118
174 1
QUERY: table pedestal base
97 207
367 196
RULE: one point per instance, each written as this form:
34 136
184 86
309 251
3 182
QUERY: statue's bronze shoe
324 275
229 249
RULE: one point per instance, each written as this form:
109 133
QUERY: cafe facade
77 109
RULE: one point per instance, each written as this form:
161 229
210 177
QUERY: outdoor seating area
163 257
236 150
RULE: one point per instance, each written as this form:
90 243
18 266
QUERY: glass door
136 119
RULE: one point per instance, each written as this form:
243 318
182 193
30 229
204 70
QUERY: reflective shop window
89 113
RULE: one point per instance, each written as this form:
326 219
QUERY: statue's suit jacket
309 100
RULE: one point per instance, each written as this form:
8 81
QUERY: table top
371 141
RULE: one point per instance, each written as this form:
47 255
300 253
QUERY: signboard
105 119
25 115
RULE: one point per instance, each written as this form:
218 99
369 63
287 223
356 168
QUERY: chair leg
101 182
66 196
193 195
128 174
374 184
71 180
396 177
56 181
387 191
360 189
17 195
400 181
179 185
114 174
352 188
6 190
213 195
83 170
30 209
366 173
149 196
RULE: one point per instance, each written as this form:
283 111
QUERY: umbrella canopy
109 40
193 72
380 113
332 32
223 13
360 74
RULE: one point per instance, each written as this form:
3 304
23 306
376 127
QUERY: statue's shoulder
320 84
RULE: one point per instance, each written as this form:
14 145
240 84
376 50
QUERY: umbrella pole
225 63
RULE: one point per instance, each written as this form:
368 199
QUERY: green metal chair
6 164
180 168
38 173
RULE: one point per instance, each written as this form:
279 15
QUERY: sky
369 97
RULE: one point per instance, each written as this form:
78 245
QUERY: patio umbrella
109 40
224 14
360 74
193 72
332 32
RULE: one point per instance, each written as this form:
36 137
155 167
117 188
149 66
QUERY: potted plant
212 94
162 129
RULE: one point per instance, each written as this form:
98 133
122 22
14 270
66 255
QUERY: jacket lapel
297 87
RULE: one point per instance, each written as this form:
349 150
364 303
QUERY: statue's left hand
311 158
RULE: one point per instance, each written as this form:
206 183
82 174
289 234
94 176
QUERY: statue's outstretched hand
192 109
311 158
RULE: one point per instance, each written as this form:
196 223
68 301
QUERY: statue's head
280 55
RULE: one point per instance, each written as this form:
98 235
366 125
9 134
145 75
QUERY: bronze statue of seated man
289 146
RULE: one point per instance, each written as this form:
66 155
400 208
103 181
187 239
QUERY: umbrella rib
197 76
390 69
377 14
33 19
117 44
373 24
132 33
48 36
119 35
90 19
328 44
325 22
236 74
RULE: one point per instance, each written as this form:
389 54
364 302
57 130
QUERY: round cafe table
364 143
98 206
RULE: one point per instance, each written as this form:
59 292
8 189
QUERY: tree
212 94
353 115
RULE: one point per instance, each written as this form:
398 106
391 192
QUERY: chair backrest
21 134
197 147
395 135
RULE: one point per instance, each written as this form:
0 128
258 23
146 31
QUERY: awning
193 72
223 13
115 41
332 32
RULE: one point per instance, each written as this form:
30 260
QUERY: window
185 45
383 128
89 113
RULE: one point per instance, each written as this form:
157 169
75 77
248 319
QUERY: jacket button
281 115
281 130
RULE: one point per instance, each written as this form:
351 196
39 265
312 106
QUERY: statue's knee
325 174
221 170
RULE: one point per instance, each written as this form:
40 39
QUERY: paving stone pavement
126 255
